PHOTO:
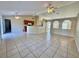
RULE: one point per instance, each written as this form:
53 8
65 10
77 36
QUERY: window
66 24
56 24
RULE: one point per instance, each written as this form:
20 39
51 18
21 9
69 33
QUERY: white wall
16 24
0 27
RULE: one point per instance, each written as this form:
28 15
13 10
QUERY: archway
66 24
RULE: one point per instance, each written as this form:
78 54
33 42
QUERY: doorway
7 25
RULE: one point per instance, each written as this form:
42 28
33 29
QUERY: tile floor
44 45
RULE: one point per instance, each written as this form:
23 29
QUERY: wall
39 21
0 28
17 24
77 34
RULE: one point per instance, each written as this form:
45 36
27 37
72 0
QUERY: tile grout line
25 55
6 48
57 49
28 47
18 49
32 52
55 52
67 49
44 51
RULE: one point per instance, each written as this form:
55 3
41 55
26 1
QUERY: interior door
7 26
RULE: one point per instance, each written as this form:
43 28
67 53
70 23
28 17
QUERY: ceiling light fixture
50 9
16 17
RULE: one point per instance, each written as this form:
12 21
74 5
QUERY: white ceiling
28 7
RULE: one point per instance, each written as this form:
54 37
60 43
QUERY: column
60 24
1 28
73 25
45 25
51 27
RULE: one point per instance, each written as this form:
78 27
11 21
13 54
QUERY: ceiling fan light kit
50 9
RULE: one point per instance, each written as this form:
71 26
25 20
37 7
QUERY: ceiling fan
50 8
